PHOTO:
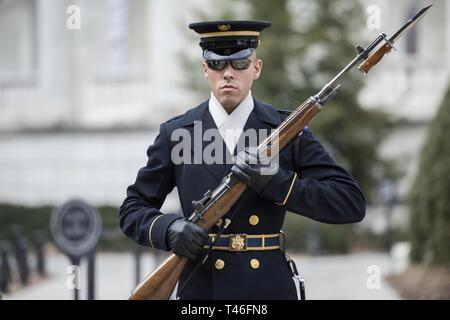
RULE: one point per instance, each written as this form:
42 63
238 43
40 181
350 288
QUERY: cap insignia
223 27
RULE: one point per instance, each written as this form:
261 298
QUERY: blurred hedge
300 231
334 239
38 218
430 208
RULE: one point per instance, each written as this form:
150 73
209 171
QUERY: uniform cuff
280 186
158 229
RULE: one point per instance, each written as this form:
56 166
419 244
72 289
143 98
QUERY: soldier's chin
230 104
228 99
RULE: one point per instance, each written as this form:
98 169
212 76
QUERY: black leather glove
253 170
186 239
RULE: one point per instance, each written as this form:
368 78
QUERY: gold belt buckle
238 242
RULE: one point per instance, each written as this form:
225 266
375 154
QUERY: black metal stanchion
39 248
5 271
20 246
75 261
91 276
137 263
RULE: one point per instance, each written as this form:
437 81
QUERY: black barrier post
159 257
5 272
20 245
137 263
39 245
22 257
75 261
313 239
91 276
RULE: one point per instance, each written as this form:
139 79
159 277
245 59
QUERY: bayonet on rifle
374 58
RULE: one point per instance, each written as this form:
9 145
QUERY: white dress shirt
231 125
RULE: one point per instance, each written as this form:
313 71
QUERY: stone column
56 63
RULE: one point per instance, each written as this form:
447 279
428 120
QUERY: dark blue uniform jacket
312 185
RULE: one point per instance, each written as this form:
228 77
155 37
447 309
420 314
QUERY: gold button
219 264
254 220
254 263
219 222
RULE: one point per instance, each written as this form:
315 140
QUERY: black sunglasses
218 65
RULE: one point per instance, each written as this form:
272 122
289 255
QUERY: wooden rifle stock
160 284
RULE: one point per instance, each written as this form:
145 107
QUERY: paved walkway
348 277
327 277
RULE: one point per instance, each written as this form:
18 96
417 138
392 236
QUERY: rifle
216 203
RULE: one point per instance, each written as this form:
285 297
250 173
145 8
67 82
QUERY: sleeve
320 190
139 215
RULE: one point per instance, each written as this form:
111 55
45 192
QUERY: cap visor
211 56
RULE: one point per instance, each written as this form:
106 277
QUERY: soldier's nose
228 72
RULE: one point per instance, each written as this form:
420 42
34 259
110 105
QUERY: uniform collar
264 112
230 125
235 119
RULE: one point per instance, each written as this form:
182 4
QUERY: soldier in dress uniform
246 260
